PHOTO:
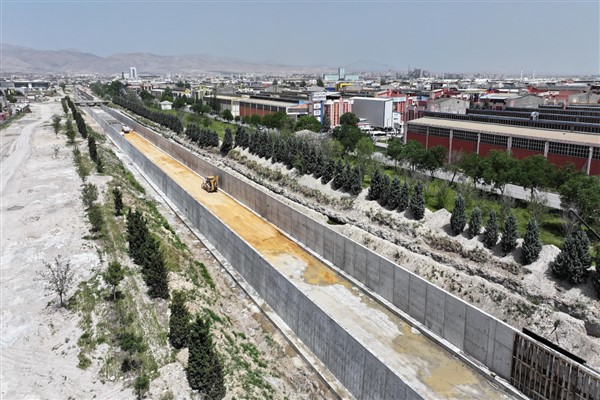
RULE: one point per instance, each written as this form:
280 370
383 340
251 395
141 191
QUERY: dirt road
42 217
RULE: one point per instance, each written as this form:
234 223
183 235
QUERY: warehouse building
583 150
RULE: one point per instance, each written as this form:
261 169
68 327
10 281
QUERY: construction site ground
424 365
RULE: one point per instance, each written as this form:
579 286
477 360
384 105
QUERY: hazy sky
441 36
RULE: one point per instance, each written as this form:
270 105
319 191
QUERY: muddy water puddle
411 354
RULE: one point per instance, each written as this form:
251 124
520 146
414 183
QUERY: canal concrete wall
353 364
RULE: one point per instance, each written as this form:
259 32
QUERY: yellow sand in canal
412 355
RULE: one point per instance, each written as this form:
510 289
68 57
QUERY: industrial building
378 111
559 147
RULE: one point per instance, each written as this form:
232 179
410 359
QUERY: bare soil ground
42 217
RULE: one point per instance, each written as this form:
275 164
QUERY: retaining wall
356 367
478 334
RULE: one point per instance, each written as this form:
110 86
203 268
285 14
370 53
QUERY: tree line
169 121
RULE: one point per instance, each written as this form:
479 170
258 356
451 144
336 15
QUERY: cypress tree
204 371
395 193
490 235
583 249
154 269
532 246
137 234
179 321
227 142
375 187
357 180
567 265
475 222
404 201
338 177
328 172
385 186
509 235
459 216
118 201
348 177
417 202
92 148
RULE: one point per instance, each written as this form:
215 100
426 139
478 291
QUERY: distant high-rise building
133 73
342 72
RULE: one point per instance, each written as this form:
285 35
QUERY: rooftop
268 102
509 130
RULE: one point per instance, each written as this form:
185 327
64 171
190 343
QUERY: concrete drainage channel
369 349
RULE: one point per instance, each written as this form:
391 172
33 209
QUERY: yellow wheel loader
211 183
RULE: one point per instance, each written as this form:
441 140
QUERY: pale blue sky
442 36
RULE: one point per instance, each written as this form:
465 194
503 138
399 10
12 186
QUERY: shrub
89 194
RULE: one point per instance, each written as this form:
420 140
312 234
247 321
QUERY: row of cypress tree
204 371
81 127
167 120
532 245
201 136
393 196
145 251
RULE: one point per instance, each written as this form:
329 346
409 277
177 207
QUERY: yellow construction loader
211 183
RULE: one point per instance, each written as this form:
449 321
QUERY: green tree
348 136
459 216
179 102
179 321
118 201
93 150
433 159
167 95
395 194
582 193
328 172
227 115
490 235
227 142
532 246
417 202
113 276
364 152
475 222
146 97
154 269
394 151
320 82
414 152
471 165
200 108
568 264
534 172
404 201
509 235
308 122
356 180
204 371
386 188
349 119
96 219
499 168
375 187
70 130
56 124
89 194
326 123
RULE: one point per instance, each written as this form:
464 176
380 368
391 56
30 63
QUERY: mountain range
28 60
